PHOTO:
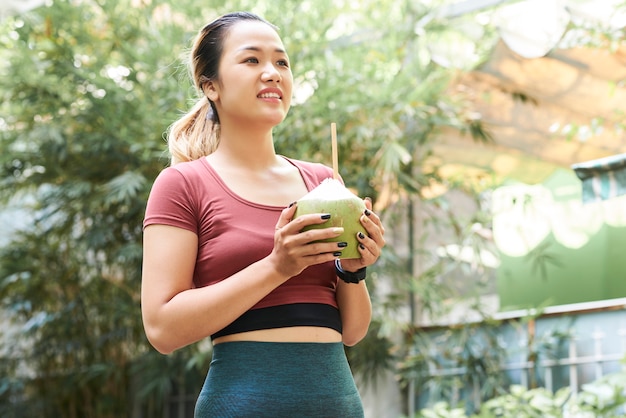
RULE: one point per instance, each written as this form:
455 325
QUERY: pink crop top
234 233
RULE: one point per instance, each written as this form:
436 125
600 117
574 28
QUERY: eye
252 60
283 63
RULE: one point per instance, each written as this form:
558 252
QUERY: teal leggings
262 379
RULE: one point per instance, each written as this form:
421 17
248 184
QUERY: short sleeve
171 202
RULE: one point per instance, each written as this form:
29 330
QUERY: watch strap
348 276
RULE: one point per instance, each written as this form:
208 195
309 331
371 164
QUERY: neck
251 148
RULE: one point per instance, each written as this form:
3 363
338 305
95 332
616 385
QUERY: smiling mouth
269 96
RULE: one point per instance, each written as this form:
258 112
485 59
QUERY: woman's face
255 82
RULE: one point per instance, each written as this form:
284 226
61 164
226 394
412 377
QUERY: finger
374 227
368 246
298 224
286 215
371 215
367 254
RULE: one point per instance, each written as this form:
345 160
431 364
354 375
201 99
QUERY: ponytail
194 135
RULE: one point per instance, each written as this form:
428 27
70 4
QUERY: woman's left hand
369 246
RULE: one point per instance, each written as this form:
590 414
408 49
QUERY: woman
224 256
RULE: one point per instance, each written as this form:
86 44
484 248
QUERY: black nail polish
292 203
326 216
361 246
367 212
361 235
337 254
342 244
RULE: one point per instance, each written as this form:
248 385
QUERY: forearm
197 313
356 310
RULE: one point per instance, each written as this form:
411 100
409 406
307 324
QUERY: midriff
287 335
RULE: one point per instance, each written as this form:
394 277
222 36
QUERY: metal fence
591 344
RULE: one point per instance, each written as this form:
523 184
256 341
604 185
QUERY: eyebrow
257 49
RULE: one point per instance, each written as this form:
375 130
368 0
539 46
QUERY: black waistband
282 316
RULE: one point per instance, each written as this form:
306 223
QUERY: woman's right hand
295 249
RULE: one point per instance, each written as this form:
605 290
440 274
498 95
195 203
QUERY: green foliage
87 89
523 403
603 398
442 410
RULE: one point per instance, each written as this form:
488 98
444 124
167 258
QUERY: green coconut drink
345 210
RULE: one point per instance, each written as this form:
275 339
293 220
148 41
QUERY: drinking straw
333 138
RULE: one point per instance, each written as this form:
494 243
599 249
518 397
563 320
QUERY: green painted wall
551 273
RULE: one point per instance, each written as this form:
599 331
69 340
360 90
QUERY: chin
277 120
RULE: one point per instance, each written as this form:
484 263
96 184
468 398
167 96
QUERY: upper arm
169 257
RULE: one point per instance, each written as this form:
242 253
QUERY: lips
270 94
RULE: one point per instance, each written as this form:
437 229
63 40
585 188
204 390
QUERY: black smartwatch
348 276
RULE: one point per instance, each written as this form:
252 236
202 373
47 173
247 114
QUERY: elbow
159 334
158 344
350 343
351 339
162 348
159 340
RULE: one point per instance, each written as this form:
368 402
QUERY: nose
270 73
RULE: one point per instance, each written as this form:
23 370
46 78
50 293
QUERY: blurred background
490 135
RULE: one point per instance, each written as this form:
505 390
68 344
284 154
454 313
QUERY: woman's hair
196 134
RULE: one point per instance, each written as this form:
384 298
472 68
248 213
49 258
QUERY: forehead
248 34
